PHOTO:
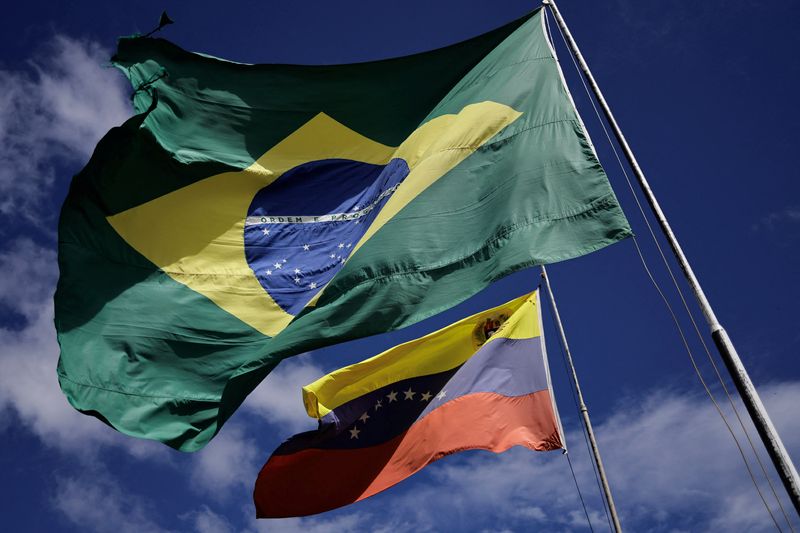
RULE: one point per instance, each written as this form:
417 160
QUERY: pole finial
163 20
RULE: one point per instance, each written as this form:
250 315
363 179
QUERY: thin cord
584 432
585 438
583 503
703 382
689 313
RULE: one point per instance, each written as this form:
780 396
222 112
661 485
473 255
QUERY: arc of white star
306 247
354 433
297 280
269 272
333 256
426 396
265 231
441 395
364 417
284 260
378 404
355 208
341 245
312 285
349 245
296 270
392 396
277 265
409 394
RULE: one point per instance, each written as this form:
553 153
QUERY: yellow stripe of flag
436 352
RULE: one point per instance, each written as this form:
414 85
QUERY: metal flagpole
582 406
766 430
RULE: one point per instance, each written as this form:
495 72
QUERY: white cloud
278 398
51 114
99 502
28 383
54 112
29 275
205 520
532 512
335 524
229 461
778 219
671 464
95 502
679 447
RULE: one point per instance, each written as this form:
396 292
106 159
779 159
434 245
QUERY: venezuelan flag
481 383
248 213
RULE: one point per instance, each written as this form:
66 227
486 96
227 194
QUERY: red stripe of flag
312 481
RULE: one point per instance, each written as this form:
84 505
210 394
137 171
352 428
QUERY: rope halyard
583 503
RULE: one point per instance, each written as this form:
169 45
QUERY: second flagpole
582 406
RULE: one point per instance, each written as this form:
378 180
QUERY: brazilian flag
248 213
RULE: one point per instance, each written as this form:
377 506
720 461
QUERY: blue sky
705 93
